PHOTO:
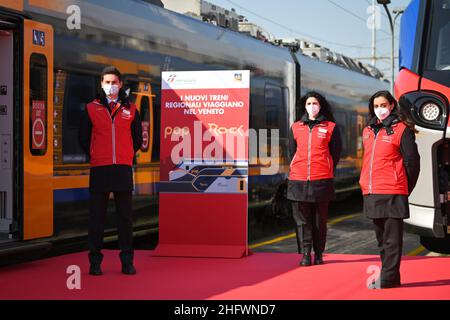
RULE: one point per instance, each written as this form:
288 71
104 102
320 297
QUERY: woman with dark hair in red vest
391 165
315 145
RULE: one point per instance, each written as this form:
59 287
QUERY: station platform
261 276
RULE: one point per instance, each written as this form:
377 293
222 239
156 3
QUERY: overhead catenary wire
354 15
356 46
348 11
293 30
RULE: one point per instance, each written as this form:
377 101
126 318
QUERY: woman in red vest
389 173
315 144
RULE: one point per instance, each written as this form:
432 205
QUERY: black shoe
384 285
306 260
387 285
95 270
95 260
318 258
128 269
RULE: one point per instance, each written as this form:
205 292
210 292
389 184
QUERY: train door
37 122
8 38
144 102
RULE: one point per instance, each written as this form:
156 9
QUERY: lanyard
115 109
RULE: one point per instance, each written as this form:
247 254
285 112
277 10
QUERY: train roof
142 20
344 82
139 19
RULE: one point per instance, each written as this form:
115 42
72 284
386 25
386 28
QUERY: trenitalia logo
232 79
172 78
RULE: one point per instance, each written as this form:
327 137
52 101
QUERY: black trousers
311 225
389 233
98 209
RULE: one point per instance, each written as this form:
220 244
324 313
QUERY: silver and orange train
50 70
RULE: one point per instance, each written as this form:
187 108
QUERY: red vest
312 160
111 140
383 171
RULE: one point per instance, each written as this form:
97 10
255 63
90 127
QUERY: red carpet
260 276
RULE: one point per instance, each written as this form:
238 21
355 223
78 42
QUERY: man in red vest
111 134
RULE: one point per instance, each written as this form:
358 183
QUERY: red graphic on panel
145 135
38 125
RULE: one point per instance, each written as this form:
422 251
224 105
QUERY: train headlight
427 109
430 111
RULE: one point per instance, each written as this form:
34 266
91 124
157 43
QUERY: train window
354 134
38 104
285 119
145 109
341 123
257 116
156 123
273 102
439 47
80 90
131 86
275 107
145 120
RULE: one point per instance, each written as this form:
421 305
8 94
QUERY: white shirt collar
109 100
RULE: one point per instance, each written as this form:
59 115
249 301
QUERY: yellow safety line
256 245
292 235
337 220
416 252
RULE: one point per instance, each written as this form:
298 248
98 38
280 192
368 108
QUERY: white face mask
382 113
313 110
111 90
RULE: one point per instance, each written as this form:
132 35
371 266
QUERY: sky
340 25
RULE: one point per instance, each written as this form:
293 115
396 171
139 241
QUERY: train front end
423 90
